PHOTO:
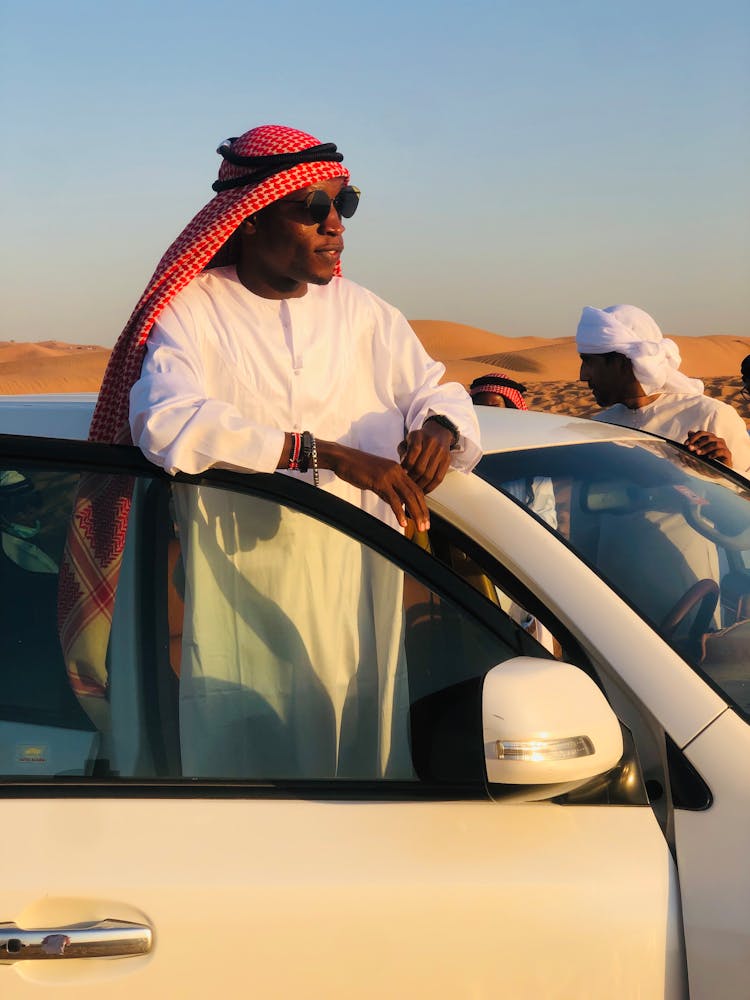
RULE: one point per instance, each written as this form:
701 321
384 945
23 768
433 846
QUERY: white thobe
673 414
677 554
539 495
292 660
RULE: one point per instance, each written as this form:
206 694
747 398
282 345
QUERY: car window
37 704
250 642
497 585
669 532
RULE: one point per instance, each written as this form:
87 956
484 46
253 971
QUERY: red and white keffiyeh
502 385
192 251
91 562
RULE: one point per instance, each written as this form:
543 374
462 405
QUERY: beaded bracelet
294 451
314 454
309 454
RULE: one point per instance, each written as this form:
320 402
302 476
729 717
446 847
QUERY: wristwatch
446 422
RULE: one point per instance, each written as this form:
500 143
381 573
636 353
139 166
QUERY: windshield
669 533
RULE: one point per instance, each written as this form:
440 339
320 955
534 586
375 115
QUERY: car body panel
54 416
250 889
325 899
712 854
516 430
67 415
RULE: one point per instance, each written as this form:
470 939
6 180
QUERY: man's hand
426 455
381 475
708 445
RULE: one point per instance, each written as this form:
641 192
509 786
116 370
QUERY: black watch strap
446 422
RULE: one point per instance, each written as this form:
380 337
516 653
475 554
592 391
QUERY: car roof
54 415
68 415
517 430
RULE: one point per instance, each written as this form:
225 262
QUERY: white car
575 815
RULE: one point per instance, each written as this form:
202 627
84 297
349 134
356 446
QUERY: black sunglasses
319 203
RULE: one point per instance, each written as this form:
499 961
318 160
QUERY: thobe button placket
297 371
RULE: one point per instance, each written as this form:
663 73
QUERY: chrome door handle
105 939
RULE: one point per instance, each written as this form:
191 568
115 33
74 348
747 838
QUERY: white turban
632 332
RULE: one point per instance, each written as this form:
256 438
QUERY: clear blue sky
518 160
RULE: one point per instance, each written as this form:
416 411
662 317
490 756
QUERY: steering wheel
704 593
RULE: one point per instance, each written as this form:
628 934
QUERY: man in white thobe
633 372
292 660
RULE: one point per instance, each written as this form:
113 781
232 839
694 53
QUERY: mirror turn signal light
544 750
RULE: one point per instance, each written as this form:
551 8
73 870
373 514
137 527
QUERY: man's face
607 377
489 399
284 249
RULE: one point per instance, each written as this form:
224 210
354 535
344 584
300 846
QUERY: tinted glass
44 729
670 533
249 642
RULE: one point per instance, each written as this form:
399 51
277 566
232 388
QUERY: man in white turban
634 372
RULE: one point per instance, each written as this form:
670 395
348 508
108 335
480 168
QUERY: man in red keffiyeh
249 351
498 390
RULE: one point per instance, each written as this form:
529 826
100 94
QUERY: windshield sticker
31 753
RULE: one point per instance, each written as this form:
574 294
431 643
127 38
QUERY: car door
245 824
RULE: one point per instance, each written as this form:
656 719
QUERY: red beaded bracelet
294 451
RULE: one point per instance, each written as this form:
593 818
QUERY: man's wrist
446 422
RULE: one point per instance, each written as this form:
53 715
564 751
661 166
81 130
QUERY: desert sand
50 366
548 367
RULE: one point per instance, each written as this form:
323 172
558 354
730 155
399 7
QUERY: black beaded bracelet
309 454
305 451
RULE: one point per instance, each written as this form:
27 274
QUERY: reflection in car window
292 646
450 547
303 651
670 533
219 666
44 730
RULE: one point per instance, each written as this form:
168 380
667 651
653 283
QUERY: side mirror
547 728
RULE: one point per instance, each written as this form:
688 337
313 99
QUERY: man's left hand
708 445
426 455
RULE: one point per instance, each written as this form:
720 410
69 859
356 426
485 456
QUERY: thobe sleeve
419 393
178 426
544 500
